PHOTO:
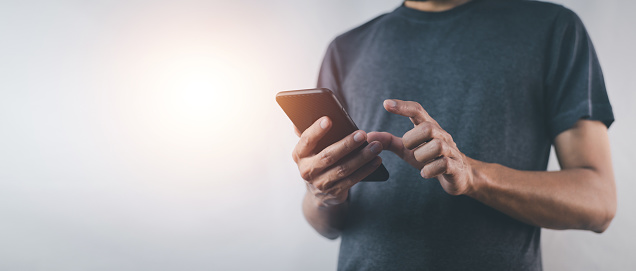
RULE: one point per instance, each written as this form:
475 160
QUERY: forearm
577 198
327 221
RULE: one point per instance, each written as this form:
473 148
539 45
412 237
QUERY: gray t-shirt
504 78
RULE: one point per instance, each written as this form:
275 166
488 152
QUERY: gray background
143 135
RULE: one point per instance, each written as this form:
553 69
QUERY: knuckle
342 171
449 137
442 148
348 144
429 127
426 128
436 131
295 156
442 135
305 174
305 140
336 190
320 187
331 190
340 189
326 158
418 106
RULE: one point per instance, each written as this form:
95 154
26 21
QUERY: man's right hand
330 173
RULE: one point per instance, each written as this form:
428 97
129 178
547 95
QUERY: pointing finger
389 142
410 109
395 145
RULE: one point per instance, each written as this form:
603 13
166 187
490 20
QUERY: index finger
410 109
310 137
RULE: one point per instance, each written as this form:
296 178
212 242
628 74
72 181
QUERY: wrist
479 177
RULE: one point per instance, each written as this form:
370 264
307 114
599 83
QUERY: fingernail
324 123
375 147
390 103
358 137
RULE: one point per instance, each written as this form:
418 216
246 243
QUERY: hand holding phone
330 173
332 154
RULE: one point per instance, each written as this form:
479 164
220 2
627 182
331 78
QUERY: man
469 96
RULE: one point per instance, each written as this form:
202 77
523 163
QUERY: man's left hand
428 148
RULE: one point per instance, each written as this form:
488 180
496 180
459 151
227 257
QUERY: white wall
143 135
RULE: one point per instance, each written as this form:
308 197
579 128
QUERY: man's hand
330 173
428 148
582 195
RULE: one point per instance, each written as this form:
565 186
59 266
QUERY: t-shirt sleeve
574 82
330 73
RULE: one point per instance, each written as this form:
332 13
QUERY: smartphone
306 106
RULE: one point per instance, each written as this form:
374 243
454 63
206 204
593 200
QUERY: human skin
582 195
